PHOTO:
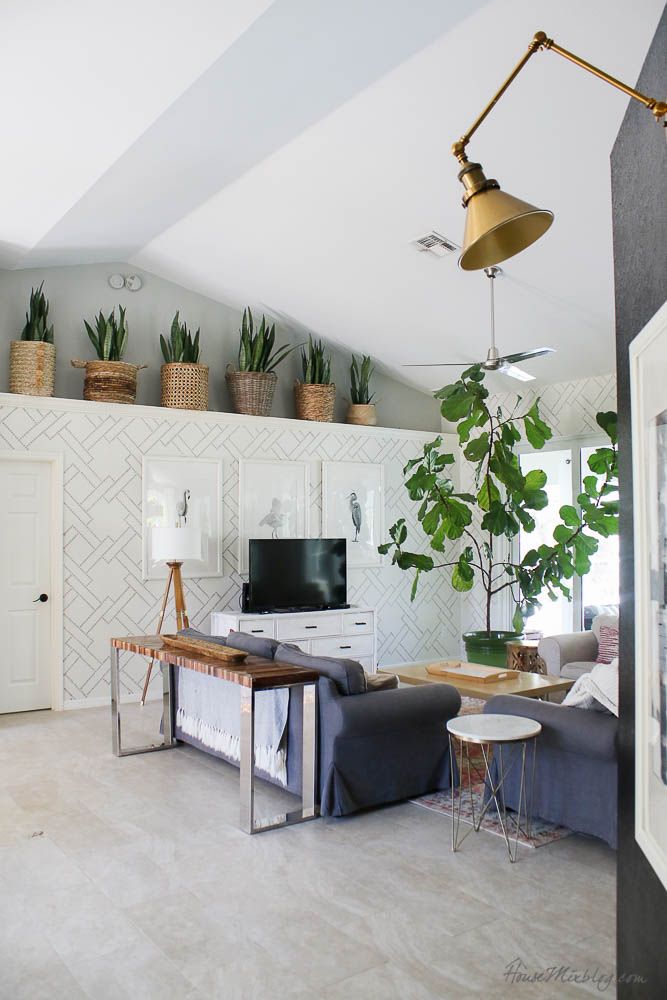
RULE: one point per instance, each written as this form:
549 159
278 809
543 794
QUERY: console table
349 633
254 674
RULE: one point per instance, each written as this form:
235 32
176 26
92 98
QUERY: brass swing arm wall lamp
498 225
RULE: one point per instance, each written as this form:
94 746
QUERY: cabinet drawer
308 627
350 646
360 621
263 627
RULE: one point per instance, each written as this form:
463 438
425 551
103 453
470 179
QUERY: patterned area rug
542 832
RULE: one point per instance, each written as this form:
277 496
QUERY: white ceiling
285 153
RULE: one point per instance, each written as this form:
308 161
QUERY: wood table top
527 684
255 671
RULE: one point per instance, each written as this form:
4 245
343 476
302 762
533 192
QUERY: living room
333 509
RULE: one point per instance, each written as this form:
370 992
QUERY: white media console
350 633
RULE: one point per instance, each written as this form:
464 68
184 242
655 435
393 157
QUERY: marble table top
491 728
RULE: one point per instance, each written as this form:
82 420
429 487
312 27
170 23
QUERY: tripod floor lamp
173 546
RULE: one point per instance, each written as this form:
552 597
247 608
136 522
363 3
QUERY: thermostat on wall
133 282
116 280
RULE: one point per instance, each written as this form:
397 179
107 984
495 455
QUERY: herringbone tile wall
104 594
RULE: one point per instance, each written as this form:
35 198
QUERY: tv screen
297 573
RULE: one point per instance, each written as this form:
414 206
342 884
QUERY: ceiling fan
494 362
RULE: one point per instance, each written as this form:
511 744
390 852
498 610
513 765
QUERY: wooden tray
204 648
471 671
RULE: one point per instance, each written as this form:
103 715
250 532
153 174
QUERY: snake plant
181 347
316 363
256 353
36 320
360 377
109 338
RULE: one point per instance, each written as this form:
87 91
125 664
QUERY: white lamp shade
176 544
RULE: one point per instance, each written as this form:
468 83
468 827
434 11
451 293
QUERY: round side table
483 731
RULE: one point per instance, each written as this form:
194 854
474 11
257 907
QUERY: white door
25 583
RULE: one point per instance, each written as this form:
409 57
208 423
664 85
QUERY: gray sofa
576 766
574 654
375 745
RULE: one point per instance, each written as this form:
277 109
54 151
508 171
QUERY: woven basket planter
32 367
251 392
314 402
362 414
184 386
109 381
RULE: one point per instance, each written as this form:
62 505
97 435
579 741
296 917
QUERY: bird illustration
355 511
182 509
275 519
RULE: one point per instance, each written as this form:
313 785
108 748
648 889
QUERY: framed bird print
353 508
182 492
274 502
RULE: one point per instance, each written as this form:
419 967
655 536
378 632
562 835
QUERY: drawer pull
361 623
345 647
256 630
311 626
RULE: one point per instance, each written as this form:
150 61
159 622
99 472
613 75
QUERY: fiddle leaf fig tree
503 502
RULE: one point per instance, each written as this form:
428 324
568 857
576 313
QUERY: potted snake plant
362 408
316 394
251 388
32 359
183 381
109 379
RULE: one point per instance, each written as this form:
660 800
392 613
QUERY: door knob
42 597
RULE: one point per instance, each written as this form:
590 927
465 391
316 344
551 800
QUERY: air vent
436 244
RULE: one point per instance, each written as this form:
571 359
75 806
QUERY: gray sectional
375 746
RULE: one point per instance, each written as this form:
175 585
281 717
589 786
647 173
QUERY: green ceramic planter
489 647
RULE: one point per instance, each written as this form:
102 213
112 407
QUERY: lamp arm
541 41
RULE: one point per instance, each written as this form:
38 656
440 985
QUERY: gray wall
639 182
80 292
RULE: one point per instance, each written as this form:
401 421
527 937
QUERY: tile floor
129 878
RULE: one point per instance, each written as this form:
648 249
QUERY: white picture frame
165 481
353 508
648 387
274 502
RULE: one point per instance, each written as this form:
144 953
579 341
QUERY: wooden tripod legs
182 620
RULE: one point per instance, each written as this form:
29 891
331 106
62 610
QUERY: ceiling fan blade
517 373
440 364
524 355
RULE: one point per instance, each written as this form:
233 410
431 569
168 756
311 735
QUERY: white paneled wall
104 594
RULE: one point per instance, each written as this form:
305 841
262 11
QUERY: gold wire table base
494 790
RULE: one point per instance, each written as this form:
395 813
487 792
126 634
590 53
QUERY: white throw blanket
209 710
600 685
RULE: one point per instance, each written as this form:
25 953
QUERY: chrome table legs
168 740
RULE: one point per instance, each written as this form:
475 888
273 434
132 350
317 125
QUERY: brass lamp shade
498 225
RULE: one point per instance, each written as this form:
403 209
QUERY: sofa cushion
381 682
573 671
347 675
256 645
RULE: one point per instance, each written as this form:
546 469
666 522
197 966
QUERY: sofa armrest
574 730
559 650
379 712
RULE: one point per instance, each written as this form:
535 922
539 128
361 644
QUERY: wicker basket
32 367
314 402
251 392
362 414
109 381
184 386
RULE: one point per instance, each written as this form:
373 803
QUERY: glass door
600 587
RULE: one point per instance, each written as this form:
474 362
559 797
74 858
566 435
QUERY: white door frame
56 582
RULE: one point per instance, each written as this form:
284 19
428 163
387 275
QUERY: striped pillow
607 644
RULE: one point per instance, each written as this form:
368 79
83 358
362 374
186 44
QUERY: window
566 464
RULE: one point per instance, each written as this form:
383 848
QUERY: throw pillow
607 644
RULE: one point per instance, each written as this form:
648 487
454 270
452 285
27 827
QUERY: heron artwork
182 509
276 518
355 511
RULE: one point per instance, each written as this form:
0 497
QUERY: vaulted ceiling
285 154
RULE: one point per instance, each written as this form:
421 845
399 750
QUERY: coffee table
513 732
525 684
253 675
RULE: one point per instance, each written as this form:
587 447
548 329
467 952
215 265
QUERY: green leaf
463 576
570 516
488 494
608 421
477 448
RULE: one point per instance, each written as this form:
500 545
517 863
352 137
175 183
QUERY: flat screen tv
297 574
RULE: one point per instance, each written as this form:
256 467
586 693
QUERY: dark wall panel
639 197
